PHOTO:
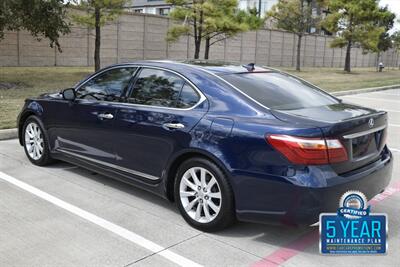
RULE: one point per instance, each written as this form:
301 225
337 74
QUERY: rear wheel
204 195
35 142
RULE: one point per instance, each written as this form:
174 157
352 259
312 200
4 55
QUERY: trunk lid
362 131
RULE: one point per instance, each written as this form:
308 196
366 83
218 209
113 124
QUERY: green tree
97 14
42 18
385 39
396 41
226 21
294 16
354 24
209 20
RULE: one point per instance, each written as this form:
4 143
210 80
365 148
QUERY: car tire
203 195
35 142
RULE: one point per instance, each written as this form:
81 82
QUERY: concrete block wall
142 36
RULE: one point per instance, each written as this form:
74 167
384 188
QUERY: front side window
156 88
279 91
107 85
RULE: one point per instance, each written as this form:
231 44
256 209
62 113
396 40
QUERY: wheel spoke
35 153
198 211
31 148
191 204
187 193
203 177
189 184
30 133
215 195
211 183
214 207
206 211
40 147
194 176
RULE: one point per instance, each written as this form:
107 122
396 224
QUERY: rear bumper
286 203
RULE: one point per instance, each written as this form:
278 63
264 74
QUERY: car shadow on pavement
262 234
116 184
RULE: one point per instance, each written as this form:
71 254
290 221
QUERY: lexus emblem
371 123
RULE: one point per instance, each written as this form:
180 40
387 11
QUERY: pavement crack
166 248
229 244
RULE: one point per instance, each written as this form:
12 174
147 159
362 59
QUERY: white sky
394 6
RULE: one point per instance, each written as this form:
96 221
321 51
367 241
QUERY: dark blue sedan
224 141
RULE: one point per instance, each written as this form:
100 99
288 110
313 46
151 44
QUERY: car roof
216 67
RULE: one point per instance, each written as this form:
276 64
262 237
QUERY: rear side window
188 97
279 91
162 88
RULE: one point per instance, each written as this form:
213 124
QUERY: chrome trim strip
234 87
141 174
355 135
201 100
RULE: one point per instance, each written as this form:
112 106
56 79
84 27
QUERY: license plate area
364 146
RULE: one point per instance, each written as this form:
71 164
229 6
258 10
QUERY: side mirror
69 94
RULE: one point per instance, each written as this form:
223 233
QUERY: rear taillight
308 151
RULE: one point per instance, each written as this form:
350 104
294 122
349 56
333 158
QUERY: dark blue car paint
227 128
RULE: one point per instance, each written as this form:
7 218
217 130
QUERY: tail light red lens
308 151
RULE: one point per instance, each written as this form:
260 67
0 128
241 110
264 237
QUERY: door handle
107 116
173 125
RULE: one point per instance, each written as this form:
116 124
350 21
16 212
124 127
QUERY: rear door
161 109
85 127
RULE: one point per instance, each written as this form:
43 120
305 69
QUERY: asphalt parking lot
64 215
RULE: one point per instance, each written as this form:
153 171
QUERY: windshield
279 91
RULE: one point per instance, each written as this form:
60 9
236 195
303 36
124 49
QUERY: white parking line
394 149
388 110
373 98
382 93
118 230
394 125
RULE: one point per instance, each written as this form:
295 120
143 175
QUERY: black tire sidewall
226 215
45 159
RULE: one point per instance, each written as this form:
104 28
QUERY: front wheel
35 142
204 195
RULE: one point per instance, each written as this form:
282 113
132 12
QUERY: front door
161 109
86 125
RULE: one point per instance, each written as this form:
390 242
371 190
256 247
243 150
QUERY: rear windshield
279 91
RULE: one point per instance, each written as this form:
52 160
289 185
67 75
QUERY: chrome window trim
201 99
234 87
355 135
141 174
276 70
105 70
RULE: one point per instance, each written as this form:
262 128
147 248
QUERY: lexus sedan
223 141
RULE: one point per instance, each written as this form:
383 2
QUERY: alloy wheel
200 194
34 142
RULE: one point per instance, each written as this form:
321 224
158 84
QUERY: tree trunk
97 40
197 45
377 60
347 66
207 48
298 52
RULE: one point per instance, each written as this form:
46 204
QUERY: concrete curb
13 133
8 134
365 90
